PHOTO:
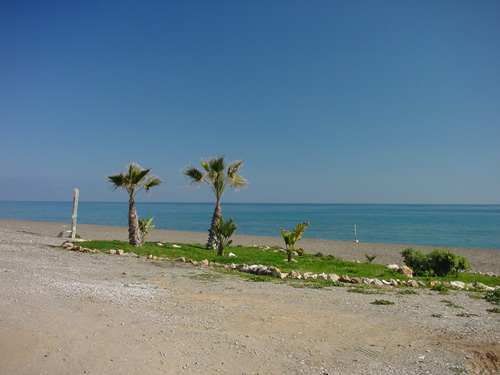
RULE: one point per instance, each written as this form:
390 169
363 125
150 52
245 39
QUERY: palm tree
215 175
133 181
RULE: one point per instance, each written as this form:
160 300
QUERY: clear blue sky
325 101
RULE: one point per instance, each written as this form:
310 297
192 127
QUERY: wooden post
75 209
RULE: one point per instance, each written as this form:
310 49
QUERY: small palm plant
223 231
218 177
292 237
145 227
133 181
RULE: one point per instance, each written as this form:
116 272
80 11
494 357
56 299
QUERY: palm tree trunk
134 236
215 220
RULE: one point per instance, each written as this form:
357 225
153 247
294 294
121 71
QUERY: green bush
223 231
438 262
145 227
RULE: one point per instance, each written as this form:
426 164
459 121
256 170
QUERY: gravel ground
63 312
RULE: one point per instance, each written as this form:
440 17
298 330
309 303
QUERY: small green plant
437 315
292 237
494 297
145 227
451 304
370 258
495 310
475 296
441 288
382 302
466 315
223 232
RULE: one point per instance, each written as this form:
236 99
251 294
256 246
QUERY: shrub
145 227
292 237
370 258
494 297
223 231
438 262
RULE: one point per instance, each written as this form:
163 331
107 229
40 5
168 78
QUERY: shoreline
484 260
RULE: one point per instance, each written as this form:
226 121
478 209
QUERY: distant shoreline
484 260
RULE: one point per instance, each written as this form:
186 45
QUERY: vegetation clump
223 231
145 227
292 237
437 263
382 302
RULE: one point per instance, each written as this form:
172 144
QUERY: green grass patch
315 263
475 296
451 304
382 302
496 310
494 297
466 315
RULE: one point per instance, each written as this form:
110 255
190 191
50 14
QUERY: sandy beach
63 312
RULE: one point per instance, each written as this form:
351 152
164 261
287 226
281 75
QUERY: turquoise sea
476 226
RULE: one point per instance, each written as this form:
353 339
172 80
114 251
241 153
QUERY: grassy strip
273 257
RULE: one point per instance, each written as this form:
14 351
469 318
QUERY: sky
325 101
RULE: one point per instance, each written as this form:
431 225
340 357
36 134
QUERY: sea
474 226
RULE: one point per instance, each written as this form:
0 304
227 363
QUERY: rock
377 282
355 280
393 266
393 282
307 275
435 282
483 286
232 266
276 272
150 256
245 268
176 246
323 276
345 279
412 283
120 252
366 281
386 282
295 275
204 262
333 277
181 259
131 255
405 271
261 270
112 251
458 284
282 275
421 283
159 244
231 255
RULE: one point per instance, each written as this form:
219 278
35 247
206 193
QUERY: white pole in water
355 236
75 209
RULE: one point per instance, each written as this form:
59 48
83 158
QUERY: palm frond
118 180
194 174
152 182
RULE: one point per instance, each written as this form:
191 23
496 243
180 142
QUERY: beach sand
483 260
64 312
